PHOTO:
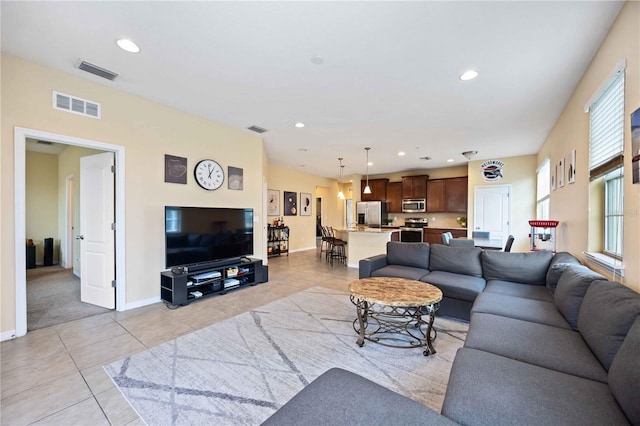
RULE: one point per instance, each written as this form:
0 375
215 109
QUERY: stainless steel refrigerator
371 213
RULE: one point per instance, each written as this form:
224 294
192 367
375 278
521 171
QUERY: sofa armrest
370 264
339 397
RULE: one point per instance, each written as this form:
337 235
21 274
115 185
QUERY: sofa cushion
559 264
488 389
408 254
606 315
624 374
400 272
527 291
525 268
339 397
456 286
572 286
563 350
531 310
459 260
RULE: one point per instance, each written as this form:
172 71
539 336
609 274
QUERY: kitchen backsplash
439 220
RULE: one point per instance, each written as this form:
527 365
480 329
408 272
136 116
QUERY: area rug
242 370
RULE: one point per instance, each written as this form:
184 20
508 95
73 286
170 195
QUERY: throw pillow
572 286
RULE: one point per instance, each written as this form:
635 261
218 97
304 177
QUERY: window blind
606 129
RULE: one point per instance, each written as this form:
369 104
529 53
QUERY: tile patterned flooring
54 376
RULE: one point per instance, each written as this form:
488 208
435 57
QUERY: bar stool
337 248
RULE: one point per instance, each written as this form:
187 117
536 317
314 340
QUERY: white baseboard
303 249
141 303
8 335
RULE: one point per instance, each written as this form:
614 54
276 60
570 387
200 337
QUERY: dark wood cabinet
436 197
447 195
378 190
434 235
394 197
414 186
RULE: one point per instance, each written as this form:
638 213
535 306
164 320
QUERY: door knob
80 237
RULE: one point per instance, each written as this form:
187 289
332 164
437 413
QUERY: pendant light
367 190
340 193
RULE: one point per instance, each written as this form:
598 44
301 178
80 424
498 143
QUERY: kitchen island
366 242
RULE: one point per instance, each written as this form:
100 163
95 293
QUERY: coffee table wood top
392 291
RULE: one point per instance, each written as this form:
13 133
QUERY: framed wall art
234 178
571 173
273 202
560 177
305 204
290 203
175 169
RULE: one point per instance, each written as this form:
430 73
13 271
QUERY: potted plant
462 221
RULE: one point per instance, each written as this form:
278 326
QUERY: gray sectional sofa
549 342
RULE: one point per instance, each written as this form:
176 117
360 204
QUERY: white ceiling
389 78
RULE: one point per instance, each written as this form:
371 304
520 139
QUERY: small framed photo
560 178
175 169
235 176
571 173
290 203
273 202
305 204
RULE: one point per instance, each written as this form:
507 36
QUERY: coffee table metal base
395 326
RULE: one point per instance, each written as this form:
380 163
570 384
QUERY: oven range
412 231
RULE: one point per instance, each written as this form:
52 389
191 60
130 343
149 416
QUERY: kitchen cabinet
394 197
434 235
447 195
378 190
414 186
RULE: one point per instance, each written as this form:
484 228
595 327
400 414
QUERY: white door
493 210
97 239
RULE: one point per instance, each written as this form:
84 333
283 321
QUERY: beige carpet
53 297
241 370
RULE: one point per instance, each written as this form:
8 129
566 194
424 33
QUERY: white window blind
606 128
543 190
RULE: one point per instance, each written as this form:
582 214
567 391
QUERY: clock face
209 174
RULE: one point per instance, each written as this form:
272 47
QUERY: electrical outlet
433 218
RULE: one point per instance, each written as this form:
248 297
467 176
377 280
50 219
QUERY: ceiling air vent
76 105
257 129
96 70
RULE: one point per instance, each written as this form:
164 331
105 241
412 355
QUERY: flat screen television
206 234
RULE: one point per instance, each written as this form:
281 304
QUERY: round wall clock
209 174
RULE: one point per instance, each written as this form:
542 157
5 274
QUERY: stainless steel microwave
418 205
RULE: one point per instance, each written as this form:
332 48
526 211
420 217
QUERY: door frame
67 260
20 139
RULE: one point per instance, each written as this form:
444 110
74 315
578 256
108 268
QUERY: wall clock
209 174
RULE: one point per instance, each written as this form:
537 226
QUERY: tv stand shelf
181 289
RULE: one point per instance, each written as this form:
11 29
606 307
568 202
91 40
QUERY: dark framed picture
305 204
290 203
175 169
234 178
273 202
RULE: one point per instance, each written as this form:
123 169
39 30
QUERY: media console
203 281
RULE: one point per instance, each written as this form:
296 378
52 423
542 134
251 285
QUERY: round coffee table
390 312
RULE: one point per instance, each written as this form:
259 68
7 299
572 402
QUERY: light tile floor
54 376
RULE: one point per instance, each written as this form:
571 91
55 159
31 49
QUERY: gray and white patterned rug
241 370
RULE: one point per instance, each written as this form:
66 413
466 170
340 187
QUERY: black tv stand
203 280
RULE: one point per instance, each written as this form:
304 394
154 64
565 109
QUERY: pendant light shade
340 193
367 190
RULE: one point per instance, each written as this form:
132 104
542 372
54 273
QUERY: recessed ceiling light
318 60
401 154
299 125
450 160
469 75
369 163
127 45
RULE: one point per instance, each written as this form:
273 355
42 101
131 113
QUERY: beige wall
147 131
302 229
41 202
520 173
570 204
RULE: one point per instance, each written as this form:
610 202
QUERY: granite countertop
446 227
